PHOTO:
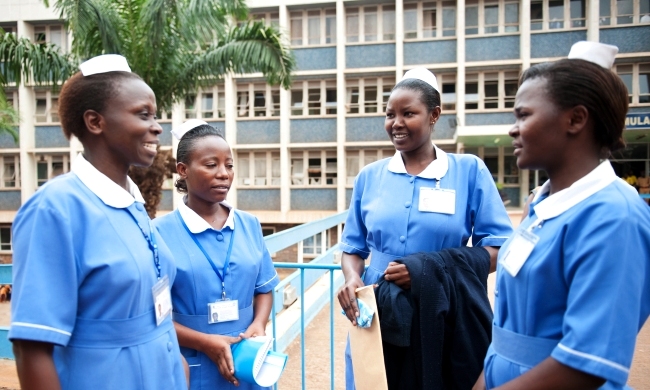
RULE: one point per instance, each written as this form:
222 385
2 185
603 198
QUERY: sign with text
634 121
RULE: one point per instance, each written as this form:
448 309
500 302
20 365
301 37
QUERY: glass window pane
429 20
5 239
313 27
471 96
56 36
330 29
370 96
9 175
275 103
471 18
40 113
512 13
556 14
221 105
352 25
644 83
448 95
577 13
296 102
491 94
448 22
330 101
410 21
353 100
39 34
625 11
314 101
491 19
243 171
370 24
388 21
296 31
605 12
536 15
259 103
41 172
242 103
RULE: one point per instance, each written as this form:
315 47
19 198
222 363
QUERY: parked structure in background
298 151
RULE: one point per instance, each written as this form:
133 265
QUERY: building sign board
637 121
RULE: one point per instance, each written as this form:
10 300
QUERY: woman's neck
565 174
113 170
419 159
215 214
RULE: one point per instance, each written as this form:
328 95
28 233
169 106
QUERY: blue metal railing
302 279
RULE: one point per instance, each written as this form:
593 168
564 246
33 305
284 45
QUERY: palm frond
22 59
9 118
248 48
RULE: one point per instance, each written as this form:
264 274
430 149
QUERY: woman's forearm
262 304
189 338
35 365
494 253
551 374
352 265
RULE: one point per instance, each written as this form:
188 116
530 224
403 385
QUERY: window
491 17
491 90
430 19
208 103
370 23
5 237
316 245
54 34
368 96
355 160
269 18
258 168
51 166
258 99
557 14
621 12
313 168
313 98
313 27
46 107
637 80
447 83
9 171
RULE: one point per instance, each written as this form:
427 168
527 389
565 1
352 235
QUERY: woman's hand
348 297
217 348
253 330
398 274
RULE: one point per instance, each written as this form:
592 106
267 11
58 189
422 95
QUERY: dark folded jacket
435 335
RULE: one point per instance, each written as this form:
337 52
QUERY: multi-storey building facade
298 151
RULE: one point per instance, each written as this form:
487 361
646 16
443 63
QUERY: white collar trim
556 204
106 189
197 224
436 170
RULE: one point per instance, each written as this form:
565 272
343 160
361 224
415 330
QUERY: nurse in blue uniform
573 282
223 290
420 200
89 268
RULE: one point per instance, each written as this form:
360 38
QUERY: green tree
177 46
24 61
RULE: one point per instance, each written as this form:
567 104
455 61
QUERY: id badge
517 253
162 299
223 311
437 200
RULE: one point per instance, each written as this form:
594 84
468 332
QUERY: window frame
635 95
614 15
51 114
360 12
48 159
360 84
325 108
10 243
303 16
270 180
504 103
197 112
440 6
326 172
47 30
360 154
6 159
567 21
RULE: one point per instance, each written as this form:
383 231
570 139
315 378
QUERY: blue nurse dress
83 278
385 222
583 293
251 272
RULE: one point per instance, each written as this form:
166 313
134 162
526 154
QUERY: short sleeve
267 278
492 226
606 280
44 301
353 238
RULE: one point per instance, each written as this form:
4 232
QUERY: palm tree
177 46
22 60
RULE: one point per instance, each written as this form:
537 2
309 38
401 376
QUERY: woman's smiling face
409 123
210 171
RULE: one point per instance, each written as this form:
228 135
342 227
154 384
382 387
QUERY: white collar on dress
106 189
556 204
197 224
436 170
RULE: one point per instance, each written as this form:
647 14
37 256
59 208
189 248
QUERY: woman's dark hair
81 93
429 96
186 146
573 82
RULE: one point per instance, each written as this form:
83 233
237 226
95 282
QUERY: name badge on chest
162 299
223 311
522 244
437 200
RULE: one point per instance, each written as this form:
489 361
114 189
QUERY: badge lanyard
151 240
214 267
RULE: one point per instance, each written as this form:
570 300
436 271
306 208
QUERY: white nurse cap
103 64
422 74
596 52
187 126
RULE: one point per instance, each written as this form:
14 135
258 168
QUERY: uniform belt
93 333
524 350
378 263
200 322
